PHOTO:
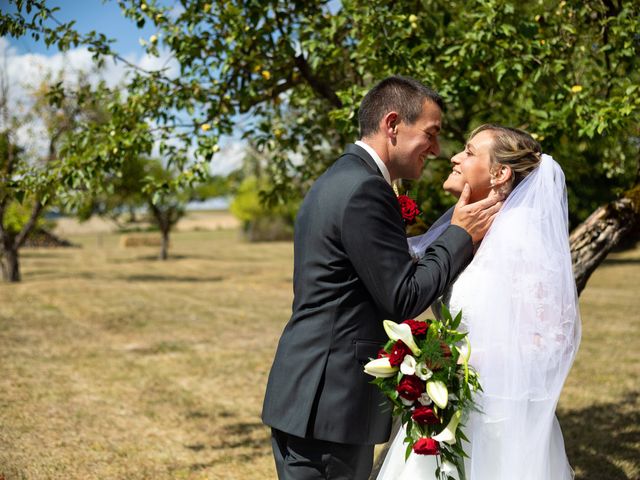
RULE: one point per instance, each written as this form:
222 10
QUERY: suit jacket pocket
365 350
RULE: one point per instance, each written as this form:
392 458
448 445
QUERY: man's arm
376 244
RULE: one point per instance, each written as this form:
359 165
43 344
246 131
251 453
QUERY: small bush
262 223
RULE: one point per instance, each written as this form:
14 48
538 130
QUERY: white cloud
161 62
25 72
28 70
228 159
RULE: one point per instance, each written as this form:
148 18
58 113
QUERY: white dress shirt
376 158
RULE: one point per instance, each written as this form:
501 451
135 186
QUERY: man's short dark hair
400 94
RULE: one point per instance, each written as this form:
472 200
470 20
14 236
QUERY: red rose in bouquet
418 327
411 387
426 446
409 208
398 352
425 416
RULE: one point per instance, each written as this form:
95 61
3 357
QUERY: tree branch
318 86
31 223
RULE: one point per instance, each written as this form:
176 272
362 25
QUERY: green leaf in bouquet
408 451
446 315
434 330
460 468
461 436
408 426
455 337
456 321
415 434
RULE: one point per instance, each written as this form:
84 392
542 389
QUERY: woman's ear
501 175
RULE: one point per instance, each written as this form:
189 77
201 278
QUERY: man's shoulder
347 175
348 168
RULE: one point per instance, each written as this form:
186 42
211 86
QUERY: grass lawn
116 365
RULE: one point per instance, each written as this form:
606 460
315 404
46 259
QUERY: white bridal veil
521 310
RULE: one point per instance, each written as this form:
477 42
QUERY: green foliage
143 182
255 214
16 216
216 186
566 71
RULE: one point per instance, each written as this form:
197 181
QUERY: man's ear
501 174
389 124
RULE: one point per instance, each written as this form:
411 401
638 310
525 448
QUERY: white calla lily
381 368
463 359
423 372
448 435
408 365
438 392
401 331
464 354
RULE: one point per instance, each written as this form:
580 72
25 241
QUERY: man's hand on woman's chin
476 218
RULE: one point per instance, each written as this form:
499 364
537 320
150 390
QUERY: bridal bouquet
423 369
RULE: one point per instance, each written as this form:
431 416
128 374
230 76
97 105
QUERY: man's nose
435 148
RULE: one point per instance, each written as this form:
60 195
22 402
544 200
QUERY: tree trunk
605 228
164 249
10 265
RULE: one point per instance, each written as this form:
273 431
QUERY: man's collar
376 158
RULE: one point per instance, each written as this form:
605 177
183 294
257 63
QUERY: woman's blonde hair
514 148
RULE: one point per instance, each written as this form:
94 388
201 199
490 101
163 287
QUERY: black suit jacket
352 270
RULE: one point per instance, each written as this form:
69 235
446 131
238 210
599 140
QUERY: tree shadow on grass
242 441
620 261
36 253
600 437
242 435
52 274
155 259
253 435
171 278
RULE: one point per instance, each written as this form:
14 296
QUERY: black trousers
309 459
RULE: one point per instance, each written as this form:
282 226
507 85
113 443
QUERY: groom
352 270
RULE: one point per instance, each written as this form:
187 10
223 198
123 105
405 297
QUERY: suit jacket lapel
361 153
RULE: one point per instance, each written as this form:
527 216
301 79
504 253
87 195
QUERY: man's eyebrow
433 127
468 146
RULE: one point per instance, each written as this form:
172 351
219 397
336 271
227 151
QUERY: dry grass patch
116 365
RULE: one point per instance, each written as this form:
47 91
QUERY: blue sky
104 17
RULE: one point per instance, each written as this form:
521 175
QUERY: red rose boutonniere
409 209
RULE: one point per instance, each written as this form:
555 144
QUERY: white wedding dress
519 305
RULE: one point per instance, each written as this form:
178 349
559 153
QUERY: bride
520 307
